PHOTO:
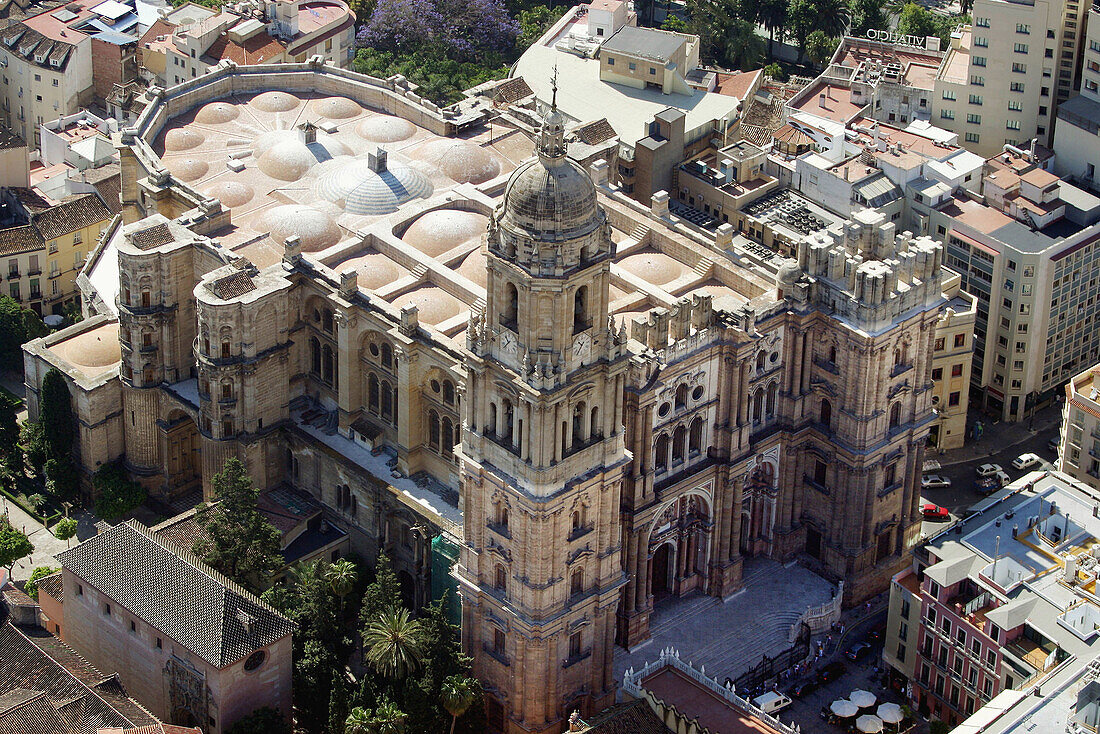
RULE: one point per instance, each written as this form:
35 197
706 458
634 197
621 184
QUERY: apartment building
192 38
1025 248
1004 75
952 354
1077 156
1001 599
1079 445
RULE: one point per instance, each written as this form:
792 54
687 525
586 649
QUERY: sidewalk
46 546
1000 437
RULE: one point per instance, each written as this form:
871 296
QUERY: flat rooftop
582 96
647 43
711 711
836 105
956 66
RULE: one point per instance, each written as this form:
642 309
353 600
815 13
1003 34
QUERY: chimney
821 100
376 161
309 132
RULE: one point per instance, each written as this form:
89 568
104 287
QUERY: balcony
900 369
816 485
499 528
495 654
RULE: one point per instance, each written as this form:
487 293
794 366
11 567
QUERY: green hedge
25 507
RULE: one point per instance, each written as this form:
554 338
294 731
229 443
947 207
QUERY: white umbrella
863 699
844 708
890 713
869 724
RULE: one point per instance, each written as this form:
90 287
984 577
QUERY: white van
771 702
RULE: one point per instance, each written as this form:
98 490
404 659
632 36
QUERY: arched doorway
662 562
408 589
182 461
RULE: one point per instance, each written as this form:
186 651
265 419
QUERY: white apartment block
1075 143
1079 448
1004 76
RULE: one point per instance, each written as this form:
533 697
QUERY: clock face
508 342
581 346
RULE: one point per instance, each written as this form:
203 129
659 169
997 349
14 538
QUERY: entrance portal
661 563
182 463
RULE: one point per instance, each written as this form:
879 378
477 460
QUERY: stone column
406 364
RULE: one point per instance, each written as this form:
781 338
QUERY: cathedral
434 331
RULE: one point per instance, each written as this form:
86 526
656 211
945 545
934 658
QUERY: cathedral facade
599 408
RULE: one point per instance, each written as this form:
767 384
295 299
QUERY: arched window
502 578
314 356
509 419
758 405
773 391
826 413
695 436
448 392
509 316
125 295
372 391
760 361
580 309
146 298
387 400
832 355
681 396
226 347
578 423
491 426
227 391
387 355
502 515
594 427
660 453
577 522
576 582
895 415
327 362
448 436
433 429
678 437
327 321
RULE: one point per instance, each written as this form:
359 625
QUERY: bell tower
542 452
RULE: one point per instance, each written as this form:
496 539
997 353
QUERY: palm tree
743 47
388 719
772 14
392 643
341 577
358 722
458 695
833 17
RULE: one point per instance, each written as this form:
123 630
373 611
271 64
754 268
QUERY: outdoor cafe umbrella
844 708
890 713
869 724
863 699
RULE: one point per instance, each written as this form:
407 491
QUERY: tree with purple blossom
463 30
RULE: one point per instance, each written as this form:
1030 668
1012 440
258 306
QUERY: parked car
858 651
830 672
1054 444
987 485
771 701
988 470
1026 461
877 632
934 512
1002 478
803 688
934 481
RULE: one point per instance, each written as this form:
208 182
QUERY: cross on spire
554 89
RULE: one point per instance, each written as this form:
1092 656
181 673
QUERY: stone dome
336 108
385 129
653 267
188 169
365 186
442 230
556 196
94 349
316 229
434 305
284 154
375 270
230 193
789 272
459 160
275 101
183 138
217 112
473 267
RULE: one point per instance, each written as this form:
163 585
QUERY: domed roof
375 270
459 160
653 267
230 193
551 197
365 186
183 138
188 169
96 348
434 305
473 267
442 230
275 101
284 154
316 229
336 108
217 112
789 272
385 129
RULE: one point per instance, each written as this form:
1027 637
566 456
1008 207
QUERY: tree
36 501
65 529
866 15
341 577
772 14
466 30
744 49
802 19
674 23
358 722
33 439
55 413
13 333
238 540
33 326
820 47
534 22
116 493
458 693
338 702
13 545
833 17
775 71
387 719
32 583
265 720
914 20
381 594
392 644
313 674
9 426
